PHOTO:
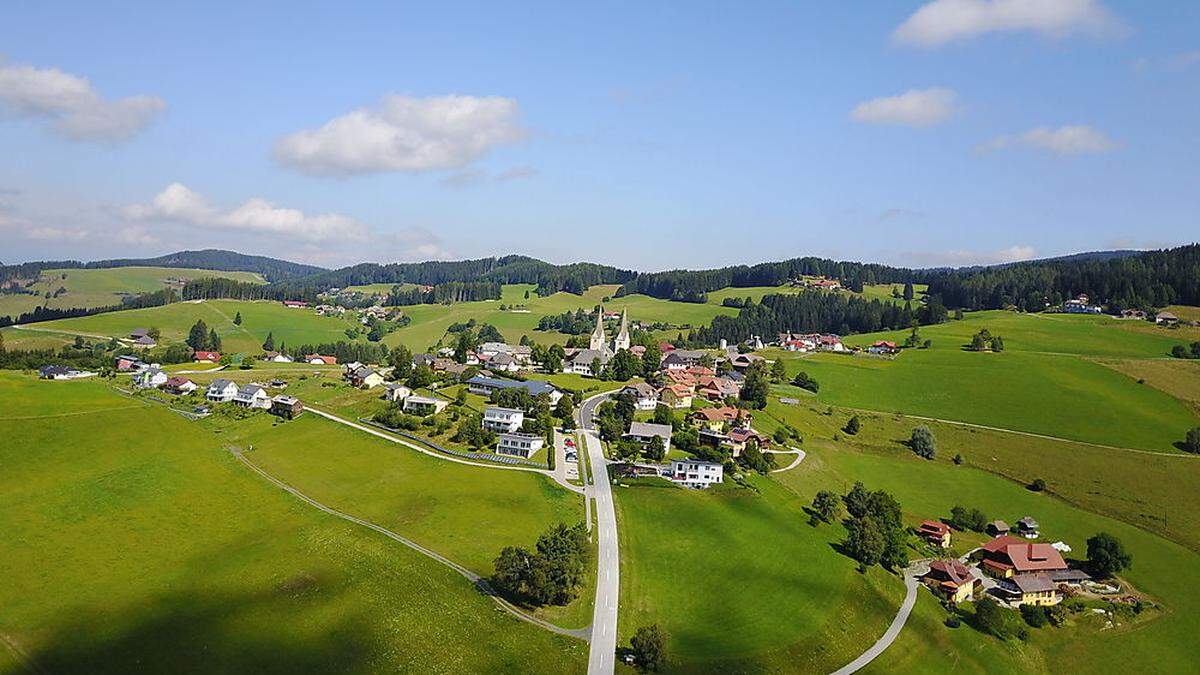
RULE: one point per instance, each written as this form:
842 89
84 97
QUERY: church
599 347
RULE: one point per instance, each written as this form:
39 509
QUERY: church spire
622 340
598 340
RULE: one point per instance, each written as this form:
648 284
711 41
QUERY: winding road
608 563
912 576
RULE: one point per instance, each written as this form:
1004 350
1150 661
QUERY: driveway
608 564
912 582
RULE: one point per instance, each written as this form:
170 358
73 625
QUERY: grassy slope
96 287
152 551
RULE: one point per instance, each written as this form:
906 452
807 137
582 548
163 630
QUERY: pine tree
214 341
269 344
237 320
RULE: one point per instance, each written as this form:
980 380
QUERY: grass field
126 549
98 287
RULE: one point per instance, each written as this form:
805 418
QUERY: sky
644 135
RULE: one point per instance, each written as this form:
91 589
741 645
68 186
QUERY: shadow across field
211 632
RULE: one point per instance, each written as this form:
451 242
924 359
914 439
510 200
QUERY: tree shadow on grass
212 632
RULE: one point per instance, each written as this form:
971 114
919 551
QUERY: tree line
451 291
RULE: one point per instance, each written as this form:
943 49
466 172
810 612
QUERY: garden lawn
135 542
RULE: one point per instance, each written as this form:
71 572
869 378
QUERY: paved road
608 563
911 584
800 455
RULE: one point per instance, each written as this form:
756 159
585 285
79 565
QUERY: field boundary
476 580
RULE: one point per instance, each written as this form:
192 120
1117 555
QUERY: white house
645 396
277 357
150 378
424 405
506 420
695 473
396 392
644 432
252 396
221 391
519 445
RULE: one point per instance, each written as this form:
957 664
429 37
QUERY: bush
1035 616
923 443
1191 442
1107 555
1037 485
853 426
649 647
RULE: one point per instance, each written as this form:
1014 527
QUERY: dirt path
800 455
478 581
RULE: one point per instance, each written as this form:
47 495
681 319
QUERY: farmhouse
139 333
744 361
935 533
1028 527
319 360
695 473
645 397
206 357
997 528
951 580
484 386
1030 589
179 385
507 420
127 363
676 396
396 392
1008 556
277 357
424 405
1080 305
252 396
519 445
1166 318
145 341
645 432
883 347
680 359
221 391
717 418
295 304
150 378
287 407
1135 314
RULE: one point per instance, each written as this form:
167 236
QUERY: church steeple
598 339
622 340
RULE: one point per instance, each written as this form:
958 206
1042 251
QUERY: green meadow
98 287
135 541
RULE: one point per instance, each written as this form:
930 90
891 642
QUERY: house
680 359
1166 319
221 390
519 445
935 533
319 360
1007 556
252 396
126 363
1028 527
717 388
277 357
145 341
179 385
717 418
695 473
645 432
150 378
287 407
423 360
139 333
365 377
396 392
1135 314
951 580
295 304
740 437
826 284
744 361
997 528
645 397
1030 589
206 357
484 386
506 420
503 363
424 405
1080 305
680 376
62 373
830 343
676 396
883 347
582 362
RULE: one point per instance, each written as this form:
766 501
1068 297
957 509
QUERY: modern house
206 357
485 386
221 390
150 378
503 420
252 396
676 396
63 373
935 533
695 473
645 397
951 580
287 407
1028 527
519 445
424 405
645 432
179 385
396 392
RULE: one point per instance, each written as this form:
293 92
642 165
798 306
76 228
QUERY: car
570 443
572 457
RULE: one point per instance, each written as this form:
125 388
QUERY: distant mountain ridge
271 269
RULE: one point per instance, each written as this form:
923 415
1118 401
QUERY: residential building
295 304
424 405
645 396
717 418
221 390
645 432
997 528
126 363
1028 527
680 359
1008 556
252 396
676 396
1135 314
277 357
288 407
145 341
1080 305
62 373
365 377
935 533
319 360
518 444
583 362
179 385
951 580
1031 589
744 361
484 386
717 388
507 420
396 392
139 333
695 473
150 378
885 347
1166 318
206 357
740 437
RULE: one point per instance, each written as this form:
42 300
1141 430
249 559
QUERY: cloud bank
943 21
1067 140
915 107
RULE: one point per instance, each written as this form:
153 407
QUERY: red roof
327 360
951 572
934 527
295 303
174 382
665 347
207 356
885 343
1029 557
999 543
722 414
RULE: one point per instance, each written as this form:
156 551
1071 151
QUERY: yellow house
1036 589
676 396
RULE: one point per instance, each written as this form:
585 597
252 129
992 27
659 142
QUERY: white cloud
75 108
470 177
47 233
404 134
178 203
967 258
1076 139
915 107
942 21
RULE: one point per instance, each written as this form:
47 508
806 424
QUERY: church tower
622 340
598 340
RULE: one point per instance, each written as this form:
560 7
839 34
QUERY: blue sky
645 135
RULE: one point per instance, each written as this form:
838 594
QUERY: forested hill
271 269
513 269
1145 280
693 285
